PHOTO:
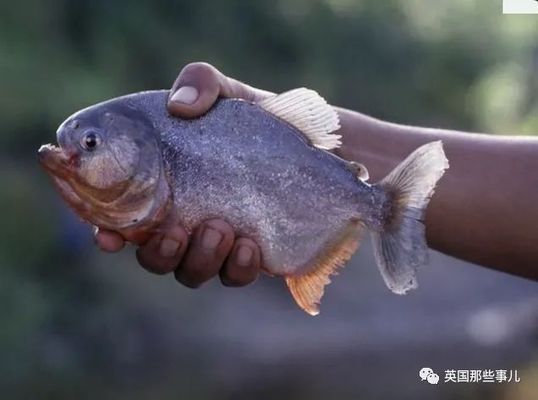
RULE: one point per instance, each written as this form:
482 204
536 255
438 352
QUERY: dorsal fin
307 289
308 112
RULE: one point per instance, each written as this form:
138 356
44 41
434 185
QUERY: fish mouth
61 165
57 161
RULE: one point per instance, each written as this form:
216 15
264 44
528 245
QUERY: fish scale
263 167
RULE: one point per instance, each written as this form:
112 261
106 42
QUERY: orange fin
307 289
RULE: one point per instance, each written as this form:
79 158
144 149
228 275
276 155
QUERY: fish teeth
49 146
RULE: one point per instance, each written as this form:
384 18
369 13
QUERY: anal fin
307 288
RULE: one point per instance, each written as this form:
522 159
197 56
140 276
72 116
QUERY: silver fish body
304 206
240 163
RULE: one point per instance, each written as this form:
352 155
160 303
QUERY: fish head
108 165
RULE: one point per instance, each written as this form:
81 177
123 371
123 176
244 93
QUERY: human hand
212 248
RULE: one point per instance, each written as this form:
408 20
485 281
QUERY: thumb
200 84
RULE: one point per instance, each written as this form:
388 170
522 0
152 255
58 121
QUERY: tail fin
401 247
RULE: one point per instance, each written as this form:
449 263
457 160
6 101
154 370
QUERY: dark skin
484 209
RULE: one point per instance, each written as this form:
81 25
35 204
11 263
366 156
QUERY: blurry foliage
450 63
454 63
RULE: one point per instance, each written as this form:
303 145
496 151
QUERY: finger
163 252
200 84
108 241
209 247
243 265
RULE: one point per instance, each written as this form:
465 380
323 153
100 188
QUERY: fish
267 168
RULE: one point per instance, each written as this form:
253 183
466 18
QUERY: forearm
485 209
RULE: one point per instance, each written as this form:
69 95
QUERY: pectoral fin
307 289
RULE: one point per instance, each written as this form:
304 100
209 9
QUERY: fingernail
168 247
243 256
211 239
185 95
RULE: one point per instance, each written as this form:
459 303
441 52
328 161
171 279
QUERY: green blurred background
77 323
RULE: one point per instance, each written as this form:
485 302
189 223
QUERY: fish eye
90 141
